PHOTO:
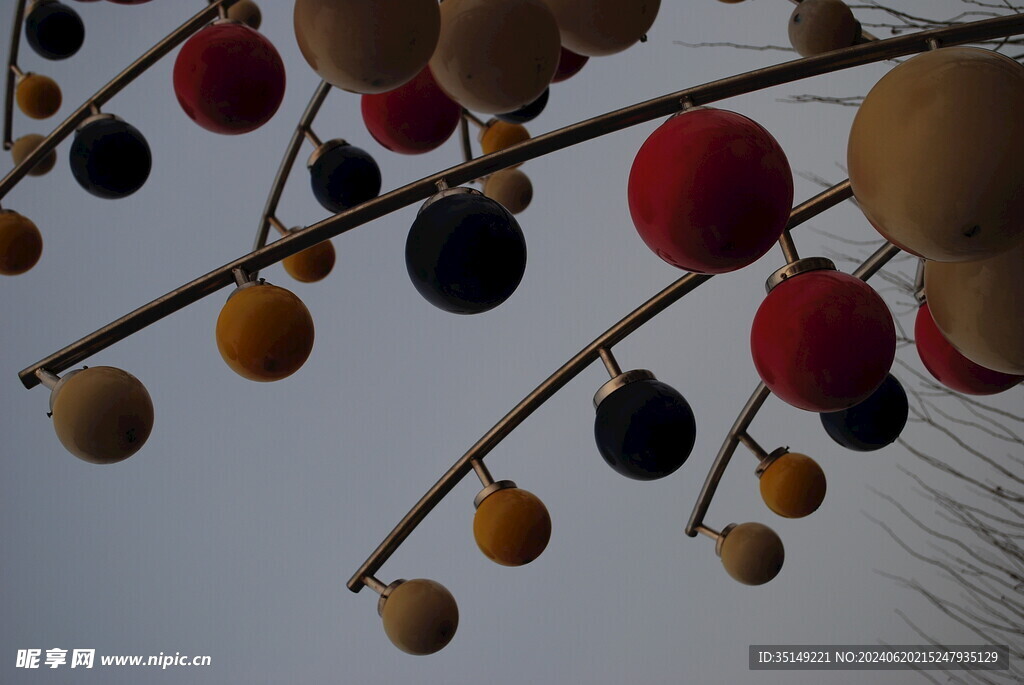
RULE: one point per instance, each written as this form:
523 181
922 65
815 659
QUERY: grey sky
233 531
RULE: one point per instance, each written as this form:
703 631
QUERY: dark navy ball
645 429
526 112
465 253
344 176
54 31
872 424
110 158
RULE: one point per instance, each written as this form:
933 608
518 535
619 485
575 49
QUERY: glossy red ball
823 341
414 118
229 78
569 64
951 368
710 191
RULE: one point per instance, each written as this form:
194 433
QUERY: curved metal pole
283 171
104 94
866 270
634 320
481 166
12 63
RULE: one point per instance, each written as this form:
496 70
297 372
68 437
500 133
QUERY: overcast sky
233 532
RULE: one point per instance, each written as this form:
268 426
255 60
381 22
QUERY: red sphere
951 368
229 78
710 191
569 64
415 117
823 341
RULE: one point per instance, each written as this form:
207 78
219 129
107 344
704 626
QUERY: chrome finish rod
481 166
634 320
283 171
12 62
104 94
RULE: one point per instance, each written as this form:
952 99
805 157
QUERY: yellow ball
495 56
819 26
934 154
510 188
27 144
793 485
603 27
512 527
38 96
977 306
312 264
752 553
247 12
498 135
21 244
101 414
367 47
264 332
420 616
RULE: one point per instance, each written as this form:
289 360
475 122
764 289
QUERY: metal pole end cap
622 379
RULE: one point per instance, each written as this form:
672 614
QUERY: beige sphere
420 616
24 146
510 188
603 27
101 414
367 47
495 56
247 12
934 154
819 26
752 553
978 308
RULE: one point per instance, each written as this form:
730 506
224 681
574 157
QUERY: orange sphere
752 553
312 264
499 135
510 188
512 527
25 146
420 616
264 332
101 414
20 243
38 96
793 485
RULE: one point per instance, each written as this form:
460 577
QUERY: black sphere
645 429
110 158
54 31
344 176
465 253
526 112
872 424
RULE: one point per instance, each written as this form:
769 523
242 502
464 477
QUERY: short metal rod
752 445
241 278
12 73
707 492
609 362
481 472
375 585
710 532
104 94
467 146
47 379
788 247
278 226
287 162
466 114
311 136
876 261
17 72
919 282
